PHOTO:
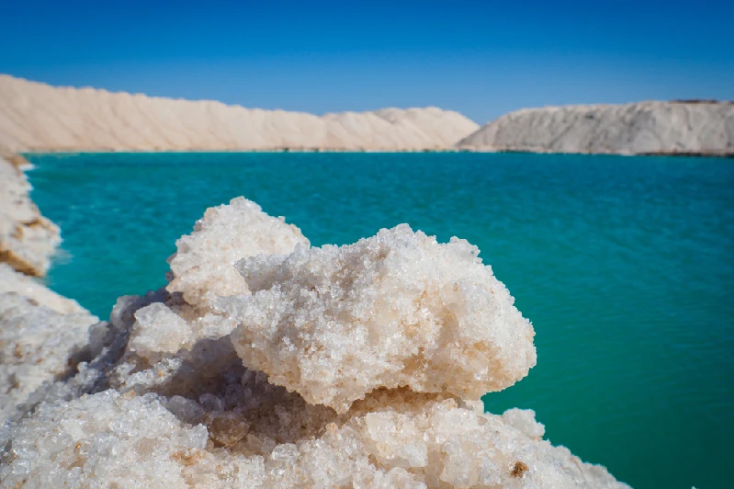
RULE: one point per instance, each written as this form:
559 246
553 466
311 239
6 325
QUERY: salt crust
394 310
12 281
165 401
38 346
27 239
176 343
113 440
202 265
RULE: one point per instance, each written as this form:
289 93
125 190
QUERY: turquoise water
624 265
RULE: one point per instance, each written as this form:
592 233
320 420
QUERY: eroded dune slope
695 128
39 117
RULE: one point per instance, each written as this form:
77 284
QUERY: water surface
624 265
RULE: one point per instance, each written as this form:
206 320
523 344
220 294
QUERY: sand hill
685 127
39 117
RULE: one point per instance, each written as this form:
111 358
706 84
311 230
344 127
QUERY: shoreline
650 128
681 154
43 118
673 154
66 379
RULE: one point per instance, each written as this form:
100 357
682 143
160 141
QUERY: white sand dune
39 117
696 128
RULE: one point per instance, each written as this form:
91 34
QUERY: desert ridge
38 117
695 128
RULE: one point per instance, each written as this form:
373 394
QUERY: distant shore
41 118
694 128
65 153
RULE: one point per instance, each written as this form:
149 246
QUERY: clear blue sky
480 58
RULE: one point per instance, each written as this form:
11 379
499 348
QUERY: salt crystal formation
398 309
170 348
30 287
102 441
383 348
27 239
38 346
176 342
42 334
109 440
202 266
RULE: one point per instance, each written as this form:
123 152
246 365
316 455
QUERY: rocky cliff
668 128
39 117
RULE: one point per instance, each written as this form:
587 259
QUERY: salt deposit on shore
27 239
377 351
395 310
42 334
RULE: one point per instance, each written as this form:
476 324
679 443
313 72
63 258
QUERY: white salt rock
397 322
177 346
202 267
104 440
397 309
393 439
445 445
38 346
158 330
12 281
524 420
27 239
173 350
158 343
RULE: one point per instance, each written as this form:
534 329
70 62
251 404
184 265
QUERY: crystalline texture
37 346
398 333
105 437
202 265
397 309
177 344
27 239
391 440
12 281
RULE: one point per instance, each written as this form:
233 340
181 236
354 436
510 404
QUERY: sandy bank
39 117
647 128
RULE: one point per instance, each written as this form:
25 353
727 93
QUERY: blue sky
480 58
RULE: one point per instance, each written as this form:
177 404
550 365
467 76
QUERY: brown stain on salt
188 458
519 469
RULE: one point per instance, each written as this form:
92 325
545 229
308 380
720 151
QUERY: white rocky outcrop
43 336
39 117
27 239
695 128
203 266
12 281
113 440
39 346
394 310
406 333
